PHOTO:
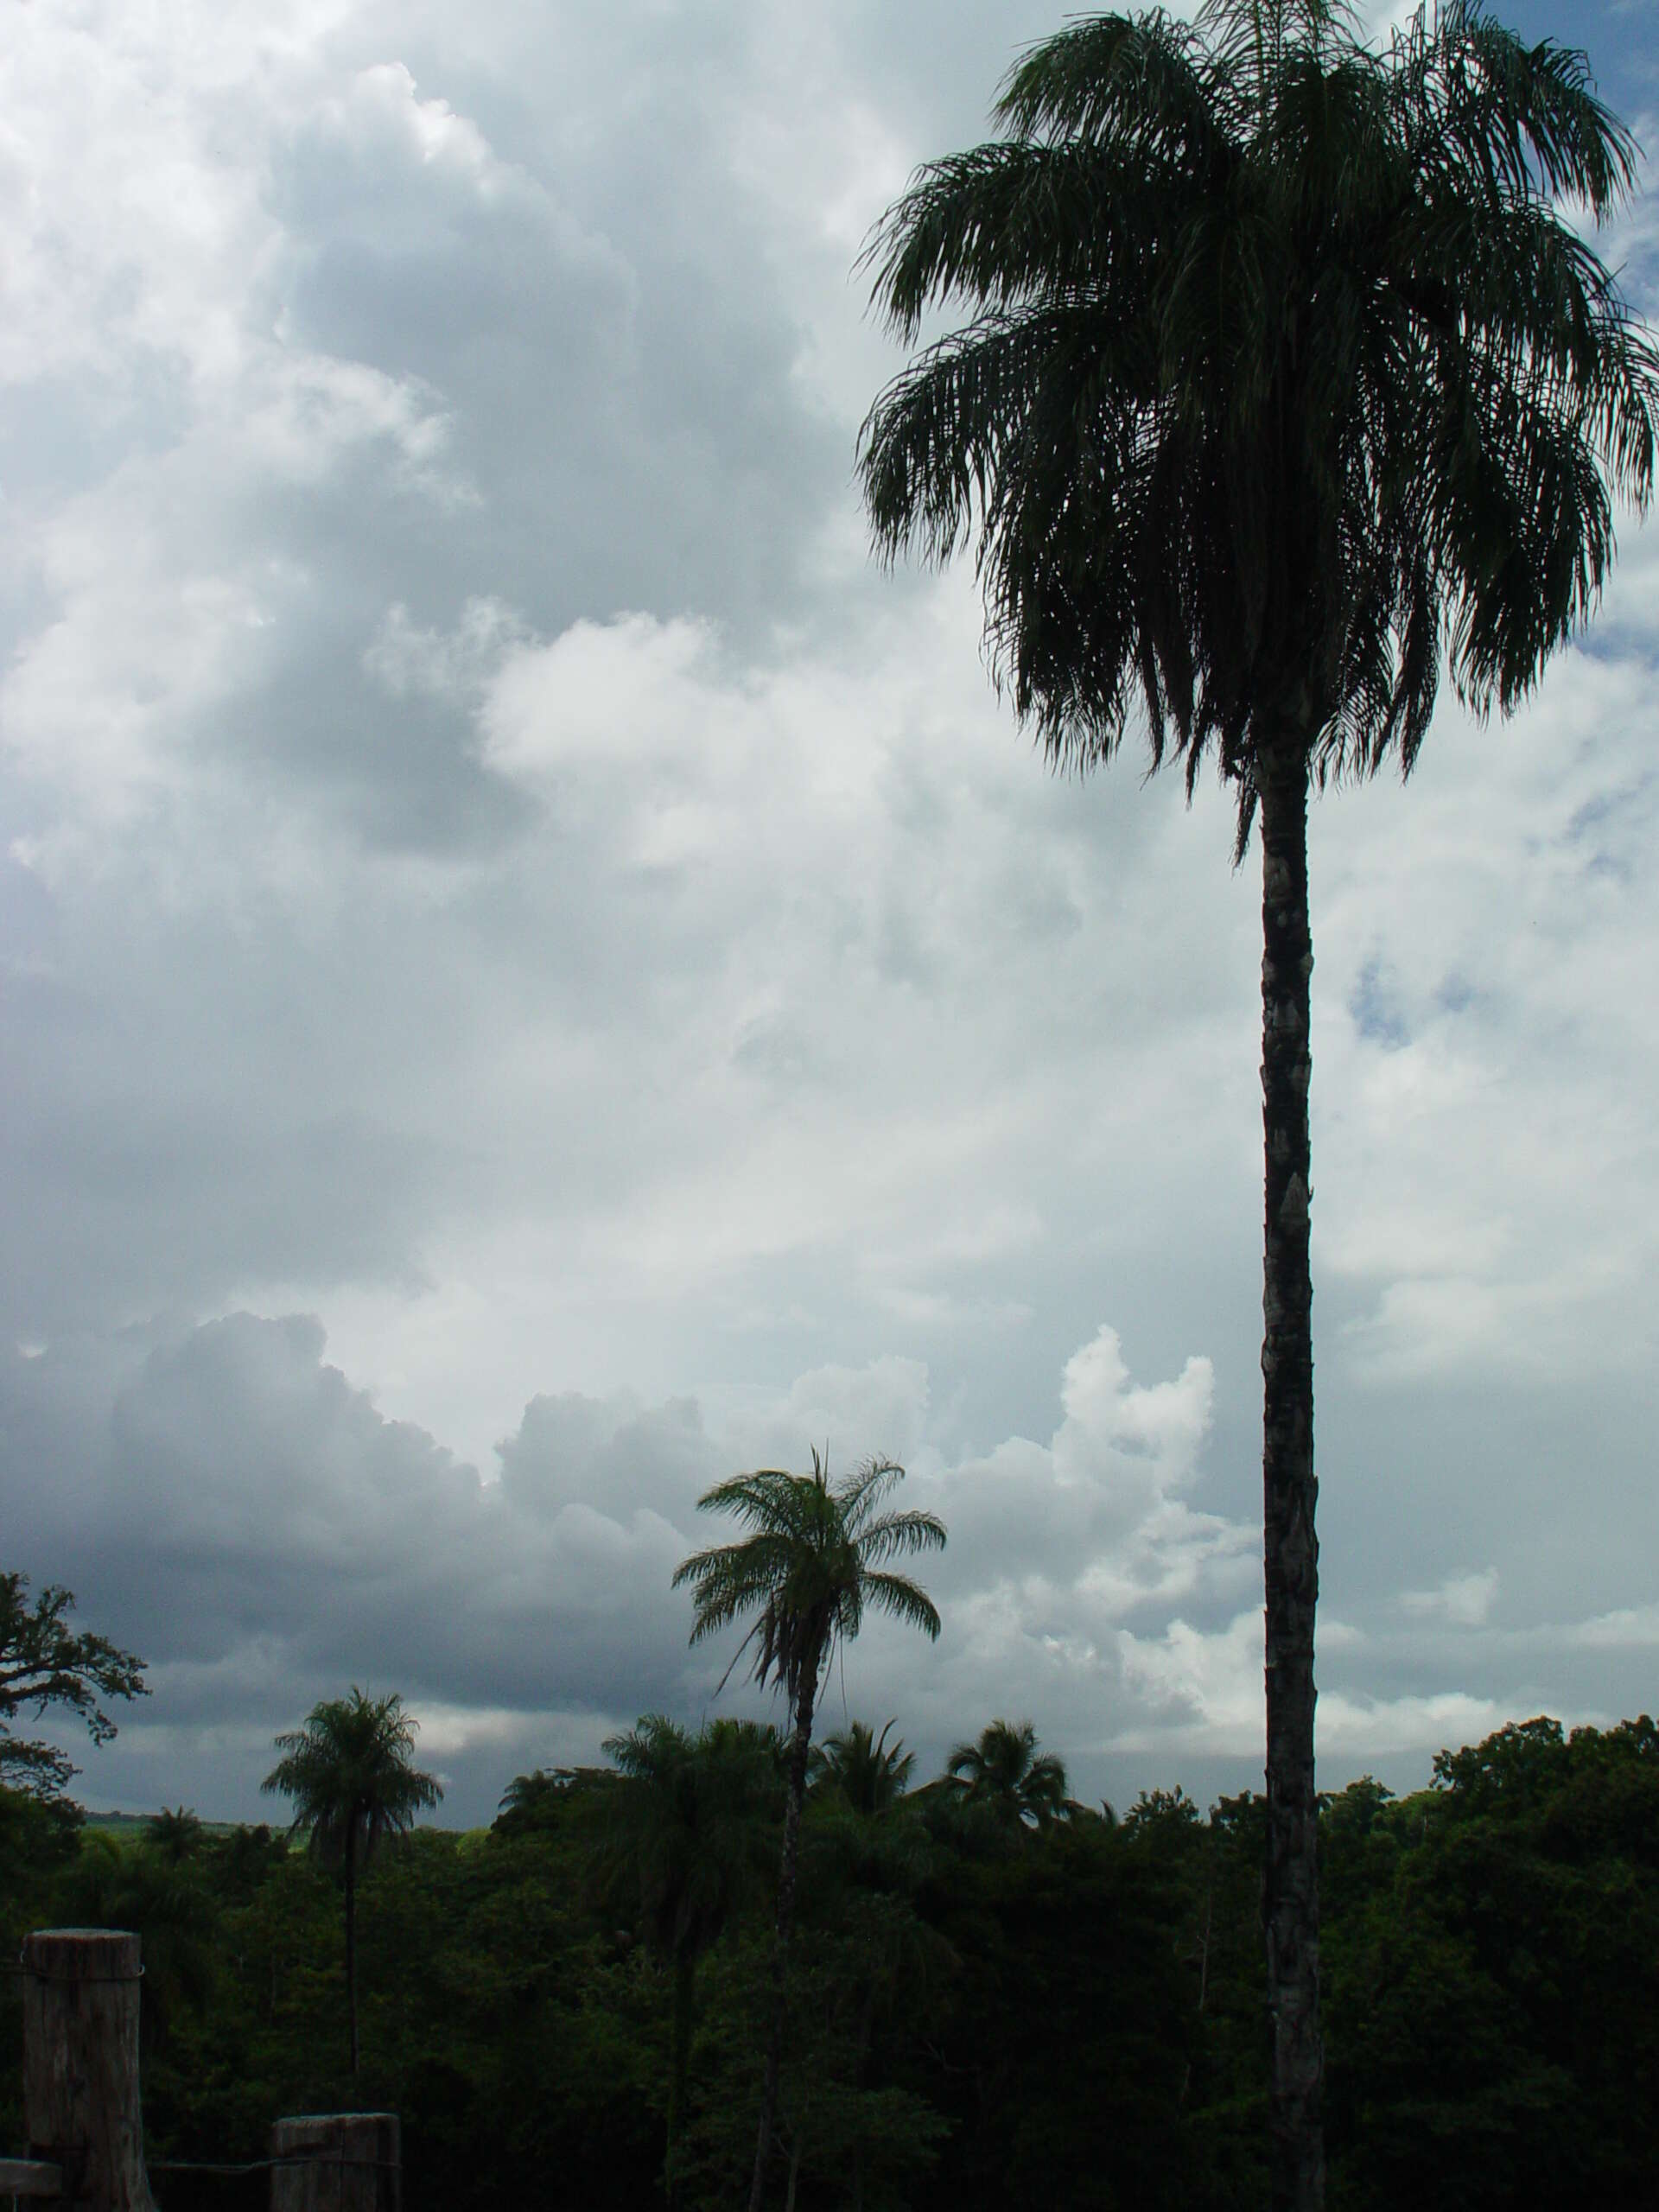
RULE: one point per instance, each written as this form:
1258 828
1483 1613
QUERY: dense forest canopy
1054 2012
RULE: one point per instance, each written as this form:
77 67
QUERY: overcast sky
535 976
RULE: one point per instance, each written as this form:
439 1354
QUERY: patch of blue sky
1375 1009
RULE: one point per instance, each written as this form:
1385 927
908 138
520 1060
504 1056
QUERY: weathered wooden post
337 2162
80 2065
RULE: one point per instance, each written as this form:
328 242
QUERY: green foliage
685 1840
348 1771
1006 1774
1070 2019
1494 1977
45 1663
813 1559
860 1768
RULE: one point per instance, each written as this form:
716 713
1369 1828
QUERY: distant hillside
134 1824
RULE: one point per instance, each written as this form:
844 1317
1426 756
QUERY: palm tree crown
1006 1773
347 1770
810 1565
1284 377
863 1769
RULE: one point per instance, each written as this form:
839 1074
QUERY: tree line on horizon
734 1952
995 1995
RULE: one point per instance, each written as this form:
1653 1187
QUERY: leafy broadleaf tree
348 1772
1285 383
813 1559
43 1662
161 1897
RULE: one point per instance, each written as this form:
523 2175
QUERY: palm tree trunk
351 1938
798 1758
1290 1906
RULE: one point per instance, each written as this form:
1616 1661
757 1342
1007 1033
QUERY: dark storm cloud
235 1469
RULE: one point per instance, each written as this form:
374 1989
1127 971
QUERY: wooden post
341 2162
80 2065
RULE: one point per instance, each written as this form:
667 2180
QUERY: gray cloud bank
486 862
223 1499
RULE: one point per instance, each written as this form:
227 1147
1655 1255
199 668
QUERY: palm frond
895 1534
1006 225
1523 120
1147 85
907 1601
858 1494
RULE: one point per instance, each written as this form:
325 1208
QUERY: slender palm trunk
1290 1906
351 1938
798 1758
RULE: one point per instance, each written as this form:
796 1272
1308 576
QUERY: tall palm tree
688 1828
1005 1772
1283 382
810 1563
348 1771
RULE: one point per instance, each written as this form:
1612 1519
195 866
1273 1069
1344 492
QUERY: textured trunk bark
1290 1904
82 2109
797 1758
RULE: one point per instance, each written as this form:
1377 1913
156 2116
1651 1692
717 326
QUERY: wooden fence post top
337 2162
82 1954
81 2107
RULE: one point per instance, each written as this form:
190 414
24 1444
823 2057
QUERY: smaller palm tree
545 1795
813 1560
860 1768
688 1828
1006 1774
175 1831
348 1772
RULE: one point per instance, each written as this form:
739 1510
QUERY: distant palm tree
810 1563
689 1829
177 1834
1285 381
543 1795
1005 1772
527 1798
859 1766
347 1770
